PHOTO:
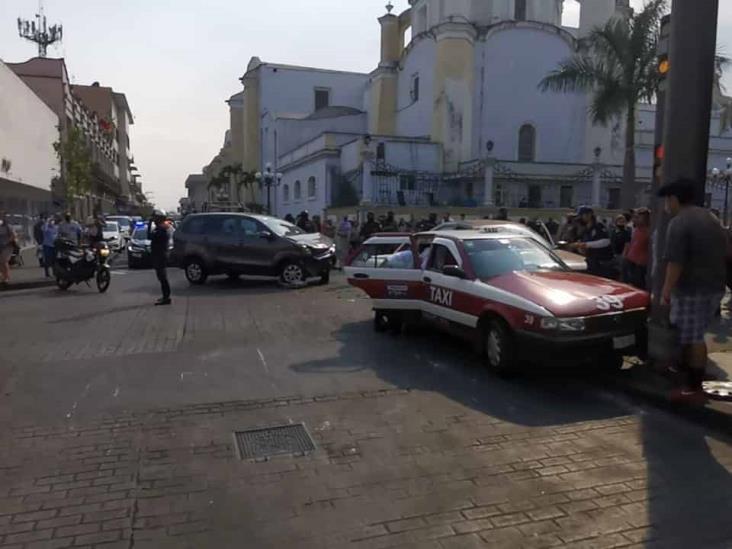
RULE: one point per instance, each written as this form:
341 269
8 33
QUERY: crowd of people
617 250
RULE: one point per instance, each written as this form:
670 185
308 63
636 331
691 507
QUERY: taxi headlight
563 324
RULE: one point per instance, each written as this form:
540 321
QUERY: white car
112 235
125 224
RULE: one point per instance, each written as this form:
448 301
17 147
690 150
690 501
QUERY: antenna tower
39 32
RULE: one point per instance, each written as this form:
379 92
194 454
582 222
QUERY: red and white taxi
512 296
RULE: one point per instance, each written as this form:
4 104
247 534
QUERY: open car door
393 282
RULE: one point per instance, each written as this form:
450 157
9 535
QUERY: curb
13 286
716 414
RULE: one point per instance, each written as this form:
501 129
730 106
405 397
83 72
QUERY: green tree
616 63
76 165
233 173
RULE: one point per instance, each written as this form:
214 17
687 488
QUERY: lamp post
269 179
725 177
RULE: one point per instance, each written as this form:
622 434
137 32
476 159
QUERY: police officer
159 238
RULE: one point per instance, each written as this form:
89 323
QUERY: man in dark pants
159 239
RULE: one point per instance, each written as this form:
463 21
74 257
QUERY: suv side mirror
454 271
267 235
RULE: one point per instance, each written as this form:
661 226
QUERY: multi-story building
114 116
102 116
452 117
28 164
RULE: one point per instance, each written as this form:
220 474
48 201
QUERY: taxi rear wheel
387 322
499 348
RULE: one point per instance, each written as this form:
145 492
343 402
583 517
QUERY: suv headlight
563 324
305 248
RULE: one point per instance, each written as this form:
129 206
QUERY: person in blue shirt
50 233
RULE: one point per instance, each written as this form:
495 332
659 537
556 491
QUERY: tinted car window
441 257
250 227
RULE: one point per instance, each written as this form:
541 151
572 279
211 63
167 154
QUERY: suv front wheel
292 274
196 271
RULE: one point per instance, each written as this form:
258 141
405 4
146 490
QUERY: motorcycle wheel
63 284
104 277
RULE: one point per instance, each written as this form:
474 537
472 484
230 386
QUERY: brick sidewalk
394 468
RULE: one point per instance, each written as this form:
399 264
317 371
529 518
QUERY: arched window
285 193
527 143
520 10
298 190
311 187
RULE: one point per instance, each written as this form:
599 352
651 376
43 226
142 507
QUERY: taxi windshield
492 257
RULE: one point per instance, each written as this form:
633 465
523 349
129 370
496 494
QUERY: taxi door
393 282
447 299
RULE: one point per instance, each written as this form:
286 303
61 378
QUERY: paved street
117 422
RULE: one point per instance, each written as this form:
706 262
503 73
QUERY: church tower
594 13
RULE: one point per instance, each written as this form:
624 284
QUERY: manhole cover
274 441
718 389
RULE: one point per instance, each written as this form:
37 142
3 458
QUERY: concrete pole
488 182
368 183
689 97
688 105
596 185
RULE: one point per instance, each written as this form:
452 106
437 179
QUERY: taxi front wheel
499 348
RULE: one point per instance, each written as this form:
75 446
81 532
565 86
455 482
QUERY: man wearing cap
694 284
159 238
595 244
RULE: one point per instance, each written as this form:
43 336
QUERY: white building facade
28 163
454 118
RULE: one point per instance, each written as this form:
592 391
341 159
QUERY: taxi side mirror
454 271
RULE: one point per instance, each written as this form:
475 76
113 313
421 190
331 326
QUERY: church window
381 151
311 187
414 91
322 98
298 190
520 10
286 193
527 143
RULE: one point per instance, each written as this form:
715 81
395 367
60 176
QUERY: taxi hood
567 294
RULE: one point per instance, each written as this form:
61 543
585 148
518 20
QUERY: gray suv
245 244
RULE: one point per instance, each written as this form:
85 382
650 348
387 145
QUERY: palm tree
616 63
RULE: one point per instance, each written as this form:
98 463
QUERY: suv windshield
280 227
111 227
493 257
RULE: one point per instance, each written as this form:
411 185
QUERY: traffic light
658 154
664 66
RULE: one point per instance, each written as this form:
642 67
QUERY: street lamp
719 176
269 179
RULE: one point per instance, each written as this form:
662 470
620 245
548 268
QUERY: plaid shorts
692 315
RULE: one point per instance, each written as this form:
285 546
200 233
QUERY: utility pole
39 32
688 105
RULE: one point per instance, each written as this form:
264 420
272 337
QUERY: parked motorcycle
76 264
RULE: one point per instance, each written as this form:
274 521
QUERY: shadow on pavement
685 480
94 314
427 361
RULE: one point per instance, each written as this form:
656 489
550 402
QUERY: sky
179 60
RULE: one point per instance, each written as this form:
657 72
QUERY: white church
453 119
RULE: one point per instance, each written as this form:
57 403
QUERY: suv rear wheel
292 274
195 271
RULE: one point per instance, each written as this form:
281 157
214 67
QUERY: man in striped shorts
696 248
